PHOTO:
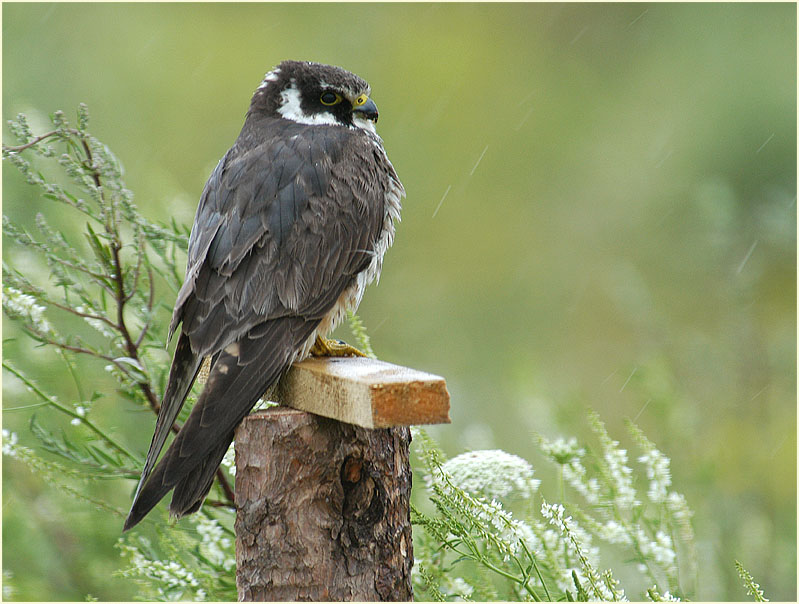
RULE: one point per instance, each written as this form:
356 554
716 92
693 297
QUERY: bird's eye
361 100
330 98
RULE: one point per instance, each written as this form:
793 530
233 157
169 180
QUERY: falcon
291 227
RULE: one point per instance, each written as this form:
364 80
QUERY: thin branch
72 348
78 313
88 151
215 503
225 484
38 139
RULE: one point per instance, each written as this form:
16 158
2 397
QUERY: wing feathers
236 382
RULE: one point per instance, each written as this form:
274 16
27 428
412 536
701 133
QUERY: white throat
363 124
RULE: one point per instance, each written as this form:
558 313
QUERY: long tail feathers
194 486
185 366
240 375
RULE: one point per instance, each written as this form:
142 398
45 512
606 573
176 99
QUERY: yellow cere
361 100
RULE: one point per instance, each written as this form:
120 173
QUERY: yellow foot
333 348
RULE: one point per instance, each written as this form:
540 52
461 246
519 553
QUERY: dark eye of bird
329 98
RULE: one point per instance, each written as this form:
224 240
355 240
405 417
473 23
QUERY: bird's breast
350 298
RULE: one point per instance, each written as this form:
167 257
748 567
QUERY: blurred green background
601 212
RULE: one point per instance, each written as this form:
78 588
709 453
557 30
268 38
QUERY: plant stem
37 140
54 403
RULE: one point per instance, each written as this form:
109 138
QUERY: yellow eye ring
361 100
330 98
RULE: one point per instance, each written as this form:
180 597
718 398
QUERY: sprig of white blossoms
654 596
214 544
494 474
580 541
660 550
458 588
97 324
752 588
657 466
569 456
10 441
25 306
487 518
619 473
560 450
681 514
175 578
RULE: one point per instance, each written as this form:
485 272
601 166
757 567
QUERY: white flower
553 512
229 460
657 471
171 574
562 451
681 513
215 545
575 474
97 324
24 306
578 542
9 443
492 473
459 588
666 597
661 550
613 532
621 474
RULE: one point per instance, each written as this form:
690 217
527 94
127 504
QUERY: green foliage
196 565
109 284
359 331
473 545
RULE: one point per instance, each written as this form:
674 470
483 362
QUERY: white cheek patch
291 109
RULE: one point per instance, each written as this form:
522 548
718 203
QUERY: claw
334 348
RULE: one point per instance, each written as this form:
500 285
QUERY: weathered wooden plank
365 392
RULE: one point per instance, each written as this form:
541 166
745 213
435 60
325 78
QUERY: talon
323 347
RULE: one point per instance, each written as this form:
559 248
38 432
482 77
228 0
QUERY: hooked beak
367 111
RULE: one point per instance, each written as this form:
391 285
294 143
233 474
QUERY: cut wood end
365 392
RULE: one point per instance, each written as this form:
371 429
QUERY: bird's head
312 93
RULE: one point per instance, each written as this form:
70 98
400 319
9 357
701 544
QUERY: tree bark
322 510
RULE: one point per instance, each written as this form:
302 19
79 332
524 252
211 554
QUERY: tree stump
323 506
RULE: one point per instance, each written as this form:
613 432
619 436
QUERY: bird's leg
334 348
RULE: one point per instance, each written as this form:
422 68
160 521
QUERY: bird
291 227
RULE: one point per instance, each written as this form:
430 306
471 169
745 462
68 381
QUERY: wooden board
365 392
